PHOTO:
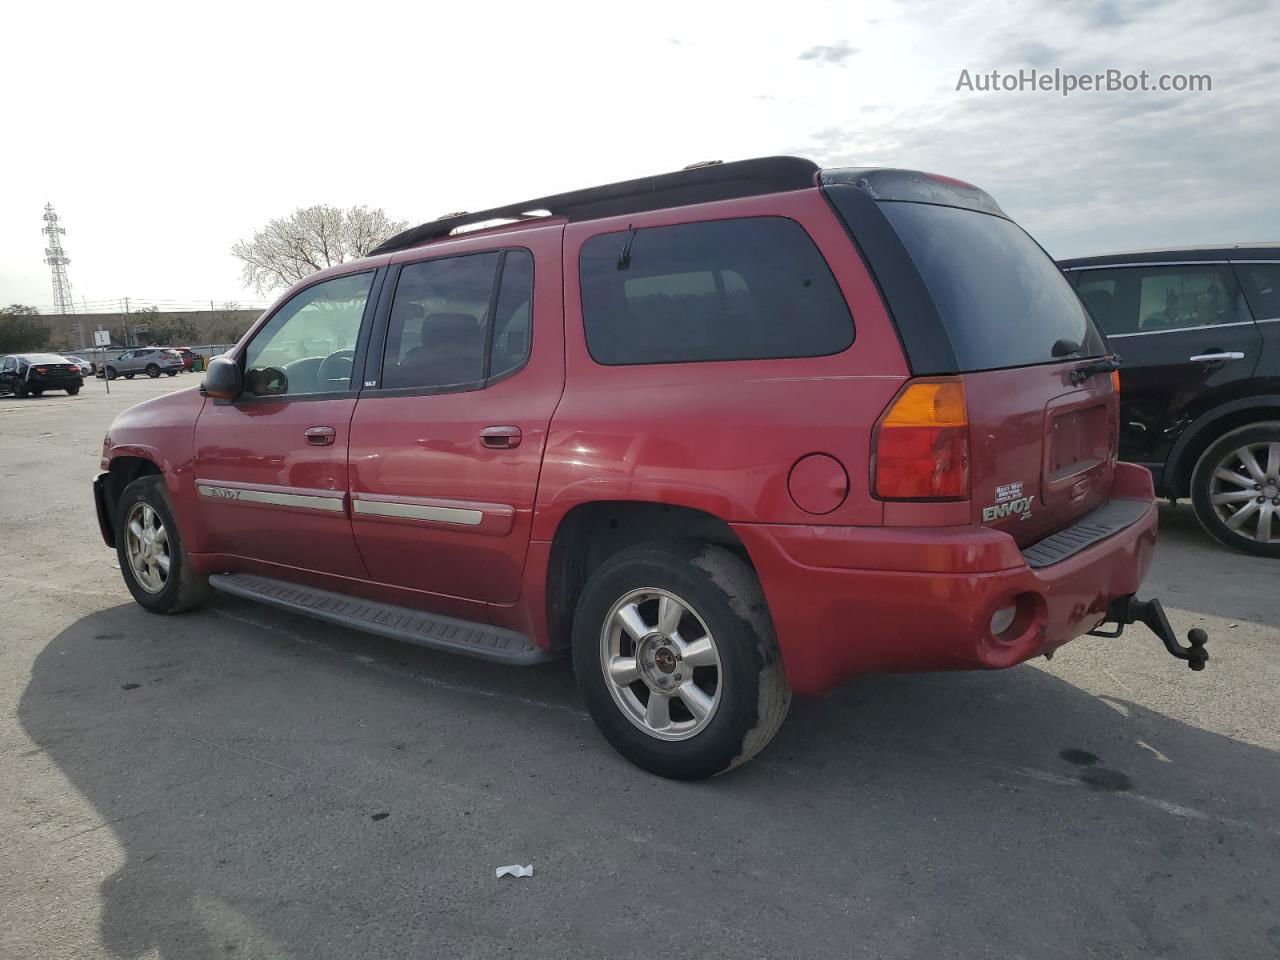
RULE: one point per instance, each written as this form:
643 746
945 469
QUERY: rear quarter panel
722 436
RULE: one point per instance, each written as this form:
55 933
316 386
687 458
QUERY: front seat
451 351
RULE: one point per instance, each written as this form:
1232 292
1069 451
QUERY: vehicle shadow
283 788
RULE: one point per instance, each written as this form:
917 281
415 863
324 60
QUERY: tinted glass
743 289
513 314
1003 301
1262 287
436 336
308 345
1129 300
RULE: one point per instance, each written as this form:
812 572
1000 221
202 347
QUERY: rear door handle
320 436
500 438
1215 357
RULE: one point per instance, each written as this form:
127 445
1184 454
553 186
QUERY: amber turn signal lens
929 404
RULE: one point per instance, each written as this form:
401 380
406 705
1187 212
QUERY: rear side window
746 289
458 321
1003 301
1262 287
1128 300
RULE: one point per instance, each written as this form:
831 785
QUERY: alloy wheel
147 546
1245 491
661 664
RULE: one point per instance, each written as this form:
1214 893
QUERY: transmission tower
57 259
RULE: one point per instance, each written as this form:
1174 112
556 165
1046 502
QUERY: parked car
87 367
186 355
1198 331
724 434
31 374
152 361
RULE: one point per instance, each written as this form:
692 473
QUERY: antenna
57 259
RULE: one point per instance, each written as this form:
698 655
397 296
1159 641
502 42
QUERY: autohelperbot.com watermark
1065 82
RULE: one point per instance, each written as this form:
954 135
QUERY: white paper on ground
515 870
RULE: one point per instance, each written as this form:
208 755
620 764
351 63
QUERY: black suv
1198 333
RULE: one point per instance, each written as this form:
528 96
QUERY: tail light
1115 380
42 369
922 443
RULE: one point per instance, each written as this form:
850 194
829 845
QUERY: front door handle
320 436
500 438
1215 357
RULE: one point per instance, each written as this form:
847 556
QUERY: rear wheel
171 373
1235 489
153 371
675 655
152 557
110 373
72 391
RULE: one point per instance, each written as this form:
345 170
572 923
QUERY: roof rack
699 184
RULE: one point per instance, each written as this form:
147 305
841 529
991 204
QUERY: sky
162 132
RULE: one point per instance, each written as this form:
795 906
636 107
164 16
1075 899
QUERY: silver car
152 361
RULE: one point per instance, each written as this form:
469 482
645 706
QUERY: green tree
21 330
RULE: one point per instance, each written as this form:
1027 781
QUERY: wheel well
592 532
123 471
1178 484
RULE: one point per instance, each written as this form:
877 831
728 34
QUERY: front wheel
20 390
72 391
110 373
152 557
674 653
1235 489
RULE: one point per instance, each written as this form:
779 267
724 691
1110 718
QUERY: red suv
724 434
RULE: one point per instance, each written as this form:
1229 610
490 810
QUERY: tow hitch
1126 610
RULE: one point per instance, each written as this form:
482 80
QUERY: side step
479 640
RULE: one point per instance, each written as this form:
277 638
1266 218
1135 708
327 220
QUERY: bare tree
310 239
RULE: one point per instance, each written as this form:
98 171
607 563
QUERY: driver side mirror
223 380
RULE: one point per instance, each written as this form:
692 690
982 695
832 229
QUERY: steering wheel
336 367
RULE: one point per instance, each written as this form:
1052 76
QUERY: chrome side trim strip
216 492
1203 326
1150 263
1268 320
416 511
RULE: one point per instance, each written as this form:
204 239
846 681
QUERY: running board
480 640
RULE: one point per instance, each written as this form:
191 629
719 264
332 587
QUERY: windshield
1003 301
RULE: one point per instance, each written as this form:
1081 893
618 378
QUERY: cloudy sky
162 136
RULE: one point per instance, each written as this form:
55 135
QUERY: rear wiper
1104 365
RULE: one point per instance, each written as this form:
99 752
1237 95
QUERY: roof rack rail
701 184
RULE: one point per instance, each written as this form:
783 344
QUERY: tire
20 390
746 689
153 371
37 391
110 373
171 373
129 376
72 391
180 588
1248 517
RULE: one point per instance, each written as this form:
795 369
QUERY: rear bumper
849 600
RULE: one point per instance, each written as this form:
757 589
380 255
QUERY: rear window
745 289
45 358
1003 301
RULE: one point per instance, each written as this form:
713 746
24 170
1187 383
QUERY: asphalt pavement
240 782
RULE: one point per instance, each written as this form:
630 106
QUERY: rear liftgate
1126 610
